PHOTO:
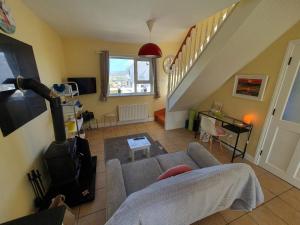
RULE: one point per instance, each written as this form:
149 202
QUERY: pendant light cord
150 24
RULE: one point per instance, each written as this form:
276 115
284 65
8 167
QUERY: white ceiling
125 20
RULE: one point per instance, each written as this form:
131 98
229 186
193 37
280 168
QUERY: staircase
195 42
218 47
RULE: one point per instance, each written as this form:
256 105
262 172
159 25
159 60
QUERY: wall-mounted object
250 86
167 64
7 22
17 107
85 85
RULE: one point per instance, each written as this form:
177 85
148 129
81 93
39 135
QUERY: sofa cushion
201 156
174 171
139 174
167 161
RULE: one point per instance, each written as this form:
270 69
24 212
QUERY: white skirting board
117 123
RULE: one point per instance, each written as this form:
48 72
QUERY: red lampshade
150 50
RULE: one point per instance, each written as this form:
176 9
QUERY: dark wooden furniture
53 216
234 125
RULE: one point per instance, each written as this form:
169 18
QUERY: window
130 76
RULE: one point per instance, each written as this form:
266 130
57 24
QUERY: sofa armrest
115 188
201 156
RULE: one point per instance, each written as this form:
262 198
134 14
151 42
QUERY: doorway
280 148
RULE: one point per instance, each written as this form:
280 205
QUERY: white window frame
136 81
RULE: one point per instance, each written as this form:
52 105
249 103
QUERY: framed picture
7 22
250 86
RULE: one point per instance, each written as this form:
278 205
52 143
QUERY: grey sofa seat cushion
170 160
201 156
140 174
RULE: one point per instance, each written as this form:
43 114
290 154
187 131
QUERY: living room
67 41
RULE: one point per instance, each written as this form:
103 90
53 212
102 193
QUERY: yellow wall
267 63
82 60
21 150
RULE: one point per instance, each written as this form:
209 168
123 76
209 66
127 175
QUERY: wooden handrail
182 44
193 45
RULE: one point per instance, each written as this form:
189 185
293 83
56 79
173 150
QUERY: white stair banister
197 38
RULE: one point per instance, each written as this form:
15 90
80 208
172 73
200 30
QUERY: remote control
139 138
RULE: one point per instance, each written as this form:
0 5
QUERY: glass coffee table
138 144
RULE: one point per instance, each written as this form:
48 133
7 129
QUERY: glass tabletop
226 119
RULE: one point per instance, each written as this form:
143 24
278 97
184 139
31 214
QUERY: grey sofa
135 197
122 180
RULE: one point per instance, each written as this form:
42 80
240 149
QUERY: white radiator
133 112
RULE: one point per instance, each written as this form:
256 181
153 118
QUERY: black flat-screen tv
17 107
86 85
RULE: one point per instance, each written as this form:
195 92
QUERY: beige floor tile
272 183
264 216
267 194
100 180
100 155
244 220
292 197
287 213
96 148
230 215
257 169
97 218
215 219
100 166
94 206
75 211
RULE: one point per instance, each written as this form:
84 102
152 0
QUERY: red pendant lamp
150 50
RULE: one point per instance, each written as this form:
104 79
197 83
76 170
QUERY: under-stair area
160 116
219 46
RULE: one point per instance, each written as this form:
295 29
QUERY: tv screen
86 85
17 107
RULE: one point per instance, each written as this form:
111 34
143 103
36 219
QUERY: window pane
143 88
121 76
143 68
292 109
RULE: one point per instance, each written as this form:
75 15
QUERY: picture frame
250 86
7 22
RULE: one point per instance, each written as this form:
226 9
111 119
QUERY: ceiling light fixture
150 50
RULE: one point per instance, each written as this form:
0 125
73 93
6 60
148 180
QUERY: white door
281 149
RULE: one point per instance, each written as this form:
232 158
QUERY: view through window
130 76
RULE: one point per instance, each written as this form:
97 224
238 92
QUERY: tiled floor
282 201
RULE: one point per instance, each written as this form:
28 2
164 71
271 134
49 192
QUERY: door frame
289 51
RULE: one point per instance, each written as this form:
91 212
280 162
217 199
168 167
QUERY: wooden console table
234 125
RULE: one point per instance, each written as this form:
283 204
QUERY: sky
117 65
